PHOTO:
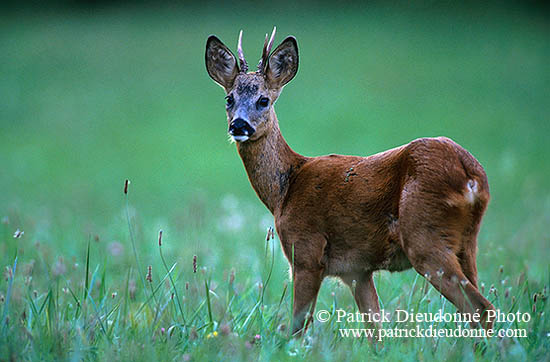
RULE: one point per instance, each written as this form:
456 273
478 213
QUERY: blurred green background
93 94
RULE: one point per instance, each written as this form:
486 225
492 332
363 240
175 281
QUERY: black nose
240 127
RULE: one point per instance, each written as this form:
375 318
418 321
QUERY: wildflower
464 282
2 298
225 330
114 294
149 276
501 269
482 287
162 331
8 273
212 335
18 234
59 267
115 248
440 272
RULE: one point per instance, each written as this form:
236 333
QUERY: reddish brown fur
418 205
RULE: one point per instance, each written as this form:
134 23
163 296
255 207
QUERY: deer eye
263 102
229 101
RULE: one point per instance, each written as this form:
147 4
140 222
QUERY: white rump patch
471 191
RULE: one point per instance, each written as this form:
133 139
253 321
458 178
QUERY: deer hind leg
467 259
442 268
435 247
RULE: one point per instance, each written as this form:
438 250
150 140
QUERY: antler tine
244 65
270 44
266 50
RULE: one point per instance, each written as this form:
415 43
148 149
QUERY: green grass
90 98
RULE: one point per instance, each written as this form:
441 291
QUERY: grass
91 97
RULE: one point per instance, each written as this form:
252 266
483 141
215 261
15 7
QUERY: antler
242 61
266 51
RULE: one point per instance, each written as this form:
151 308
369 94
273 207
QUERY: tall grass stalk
176 294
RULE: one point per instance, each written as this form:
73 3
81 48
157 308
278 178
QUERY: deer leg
468 262
306 287
440 265
365 293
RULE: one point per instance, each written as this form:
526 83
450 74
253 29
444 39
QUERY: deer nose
240 127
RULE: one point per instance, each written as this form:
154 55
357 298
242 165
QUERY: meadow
93 96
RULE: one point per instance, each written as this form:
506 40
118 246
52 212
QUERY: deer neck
270 164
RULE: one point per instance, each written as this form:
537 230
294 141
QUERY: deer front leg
365 292
304 252
365 295
306 287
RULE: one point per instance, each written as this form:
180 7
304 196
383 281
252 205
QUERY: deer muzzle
240 130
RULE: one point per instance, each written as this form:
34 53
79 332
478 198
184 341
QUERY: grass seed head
126 183
8 273
428 276
160 237
132 289
149 276
194 263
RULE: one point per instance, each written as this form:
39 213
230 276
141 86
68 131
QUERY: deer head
250 96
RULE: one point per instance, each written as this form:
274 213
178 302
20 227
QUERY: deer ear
220 62
283 63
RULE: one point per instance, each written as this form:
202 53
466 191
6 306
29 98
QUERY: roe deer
418 205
